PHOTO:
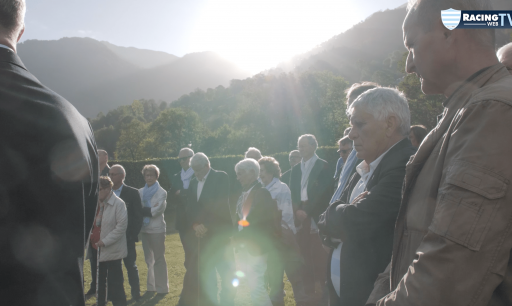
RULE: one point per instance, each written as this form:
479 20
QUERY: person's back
49 170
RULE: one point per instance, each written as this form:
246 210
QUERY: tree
130 142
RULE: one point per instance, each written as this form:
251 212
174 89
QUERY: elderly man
361 227
505 56
258 228
452 238
349 167
311 185
294 158
49 181
208 230
344 149
179 183
103 160
253 153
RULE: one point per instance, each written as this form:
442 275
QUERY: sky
254 34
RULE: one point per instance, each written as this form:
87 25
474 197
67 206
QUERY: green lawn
175 257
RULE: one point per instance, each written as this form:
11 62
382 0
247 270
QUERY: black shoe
136 298
91 291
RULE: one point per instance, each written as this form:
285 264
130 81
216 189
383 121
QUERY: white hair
502 50
383 102
199 160
121 168
189 150
248 164
290 155
311 140
253 150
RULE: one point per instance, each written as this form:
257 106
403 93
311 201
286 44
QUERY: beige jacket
158 204
113 230
453 235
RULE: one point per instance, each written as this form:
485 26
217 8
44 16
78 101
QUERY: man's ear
21 33
392 124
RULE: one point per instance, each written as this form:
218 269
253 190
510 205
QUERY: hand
301 215
360 197
100 244
200 230
156 204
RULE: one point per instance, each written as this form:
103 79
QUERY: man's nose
409 64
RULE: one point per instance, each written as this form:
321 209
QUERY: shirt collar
119 189
112 199
251 186
5 47
363 167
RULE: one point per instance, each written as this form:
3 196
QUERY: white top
200 184
365 171
306 167
240 204
281 193
156 222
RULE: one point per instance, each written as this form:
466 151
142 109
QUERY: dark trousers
131 268
315 258
205 257
286 258
111 272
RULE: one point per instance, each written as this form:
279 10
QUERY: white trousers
154 253
254 268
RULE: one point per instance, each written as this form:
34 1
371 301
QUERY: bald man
505 56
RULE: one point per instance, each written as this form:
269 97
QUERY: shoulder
118 201
130 190
161 190
218 173
500 90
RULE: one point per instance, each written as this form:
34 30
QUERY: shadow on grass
148 299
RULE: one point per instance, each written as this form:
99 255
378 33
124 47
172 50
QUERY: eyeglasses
184 158
342 151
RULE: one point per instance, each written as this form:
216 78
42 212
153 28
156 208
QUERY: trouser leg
160 265
275 274
308 271
132 270
189 292
320 258
293 264
254 268
102 284
115 282
226 268
94 267
150 261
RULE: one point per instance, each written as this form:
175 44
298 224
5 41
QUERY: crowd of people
406 216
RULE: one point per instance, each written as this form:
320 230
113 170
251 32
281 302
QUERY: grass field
175 257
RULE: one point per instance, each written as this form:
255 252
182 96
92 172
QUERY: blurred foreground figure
208 229
417 134
505 56
48 182
452 238
256 236
359 226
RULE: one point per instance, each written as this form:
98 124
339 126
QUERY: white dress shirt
306 167
200 185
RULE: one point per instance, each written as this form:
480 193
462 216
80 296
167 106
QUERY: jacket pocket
467 203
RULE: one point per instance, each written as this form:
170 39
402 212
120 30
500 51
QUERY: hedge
170 166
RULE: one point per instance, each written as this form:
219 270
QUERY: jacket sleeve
218 215
121 225
323 191
137 215
465 254
381 287
161 200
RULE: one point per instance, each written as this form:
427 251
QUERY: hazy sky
255 34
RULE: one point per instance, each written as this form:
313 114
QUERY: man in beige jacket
453 235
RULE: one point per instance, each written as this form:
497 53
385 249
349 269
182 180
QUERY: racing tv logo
454 19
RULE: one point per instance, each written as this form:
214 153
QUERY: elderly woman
153 230
360 225
109 236
287 256
417 134
256 211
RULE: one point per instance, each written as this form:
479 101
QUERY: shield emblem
450 18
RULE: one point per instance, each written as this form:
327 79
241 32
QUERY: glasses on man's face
184 158
343 151
149 175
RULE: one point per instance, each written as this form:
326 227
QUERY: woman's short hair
271 166
105 182
248 164
152 168
419 132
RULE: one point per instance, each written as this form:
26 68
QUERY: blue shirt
118 191
345 175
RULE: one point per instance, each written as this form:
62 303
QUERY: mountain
142 57
368 46
96 76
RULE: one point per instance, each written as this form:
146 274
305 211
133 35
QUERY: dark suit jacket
131 198
212 208
178 201
48 190
260 234
366 227
285 177
320 188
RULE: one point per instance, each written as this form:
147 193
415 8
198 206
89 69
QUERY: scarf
101 205
147 194
186 176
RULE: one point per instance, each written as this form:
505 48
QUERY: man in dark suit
294 158
131 198
360 225
311 185
176 195
103 159
208 232
48 182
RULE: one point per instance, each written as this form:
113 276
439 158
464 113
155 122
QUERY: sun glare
258 34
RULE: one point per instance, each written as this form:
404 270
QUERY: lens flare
240 274
236 282
243 223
